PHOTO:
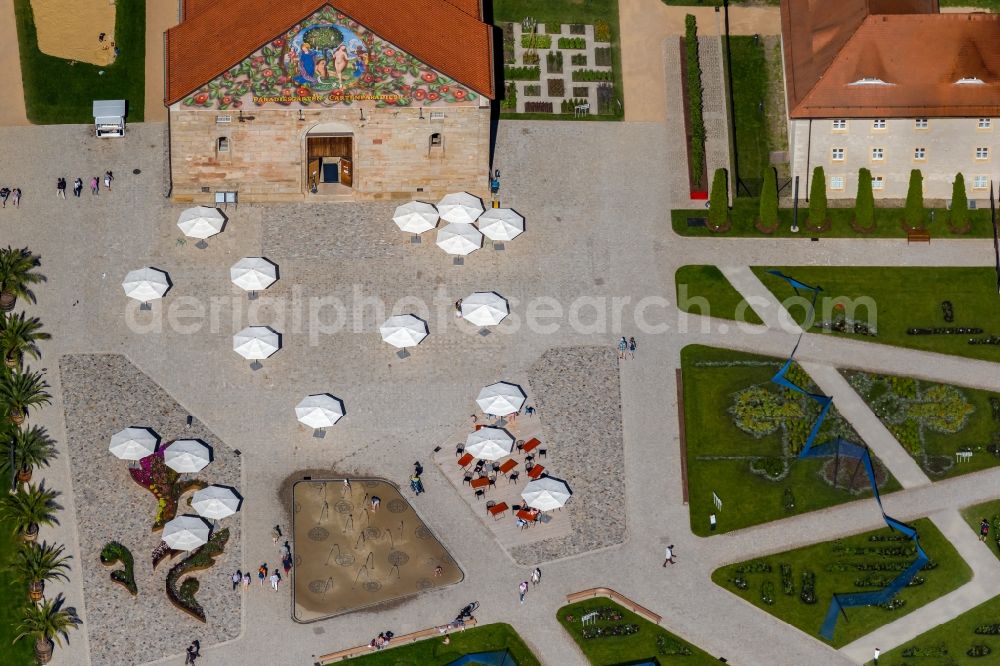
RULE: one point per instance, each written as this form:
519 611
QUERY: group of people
95 185
6 193
522 588
626 348
381 641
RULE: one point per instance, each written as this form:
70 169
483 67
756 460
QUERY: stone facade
939 147
266 160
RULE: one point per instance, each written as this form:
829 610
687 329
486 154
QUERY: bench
917 236
396 641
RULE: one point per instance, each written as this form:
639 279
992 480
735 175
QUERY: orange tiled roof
221 33
192 7
470 7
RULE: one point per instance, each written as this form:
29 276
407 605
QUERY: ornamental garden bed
957 641
796 586
698 285
617 636
904 298
743 437
433 652
948 430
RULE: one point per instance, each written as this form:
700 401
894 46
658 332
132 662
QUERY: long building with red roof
328 99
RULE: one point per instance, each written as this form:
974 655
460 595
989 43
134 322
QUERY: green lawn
718 3
566 11
705 290
13 597
990 5
643 645
948 644
57 92
433 652
749 90
904 298
888 222
934 422
720 450
991 512
835 567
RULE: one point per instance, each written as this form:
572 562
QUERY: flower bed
154 475
115 552
533 90
602 31
538 107
578 59
536 41
556 87
608 631
602 56
592 75
568 106
554 62
203 558
512 73
569 43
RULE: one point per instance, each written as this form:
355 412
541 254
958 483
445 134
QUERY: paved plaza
597 262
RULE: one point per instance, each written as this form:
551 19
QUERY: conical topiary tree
959 216
19 335
817 199
39 564
915 212
16 276
718 211
32 448
769 201
864 205
46 622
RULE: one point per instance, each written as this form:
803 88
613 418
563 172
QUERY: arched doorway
330 159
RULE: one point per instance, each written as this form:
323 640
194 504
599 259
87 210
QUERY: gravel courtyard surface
103 394
354 231
577 392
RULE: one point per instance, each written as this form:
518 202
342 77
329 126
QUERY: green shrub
572 43
512 73
553 27
536 41
579 59
695 108
864 206
914 211
769 201
116 552
509 100
592 75
554 62
569 105
718 209
602 31
183 596
959 215
817 198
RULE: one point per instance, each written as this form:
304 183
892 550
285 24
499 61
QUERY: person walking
246 581
4 193
536 577
276 533
77 188
262 573
237 579
61 187
193 652
286 550
17 197
631 347
876 656
522 590
416 485
669 555
376 501
108 177
622 346
984 529
95 186
275 578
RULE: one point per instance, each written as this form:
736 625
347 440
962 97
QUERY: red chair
536 471
464 461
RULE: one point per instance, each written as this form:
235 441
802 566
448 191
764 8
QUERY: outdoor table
500 508
527 515
536 471
531 445
481 482
508 466
465 460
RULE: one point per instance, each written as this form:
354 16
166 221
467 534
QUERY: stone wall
266 160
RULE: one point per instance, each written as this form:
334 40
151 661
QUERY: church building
328 100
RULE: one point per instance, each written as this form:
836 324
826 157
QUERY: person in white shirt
669 555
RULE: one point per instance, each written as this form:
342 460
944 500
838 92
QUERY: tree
39 564
915 211
19 335
718 207
29 507
864 205
817 198
959 204
20 390
769 201
17 276
32 448
46 622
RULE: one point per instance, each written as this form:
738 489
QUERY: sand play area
71 29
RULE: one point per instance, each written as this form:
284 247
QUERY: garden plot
743 437
949 430
796 586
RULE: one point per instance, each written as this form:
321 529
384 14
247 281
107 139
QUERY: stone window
837 154
984 123
878 182
222 145
919 153
982 153
878 123
920 123
878 154
836 182
437 141
839 124
980 182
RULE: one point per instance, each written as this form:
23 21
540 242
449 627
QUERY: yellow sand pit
70 29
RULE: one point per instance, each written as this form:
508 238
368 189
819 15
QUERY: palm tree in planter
19 335
17 276
46 622
39 564
21 389
33 448
29 507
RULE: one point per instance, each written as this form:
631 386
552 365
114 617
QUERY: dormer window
969 81
870 81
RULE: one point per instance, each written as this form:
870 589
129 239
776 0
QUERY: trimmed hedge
769 204
116 552
695 104
512 73
864 205
718 210
817 198
958 217
915 214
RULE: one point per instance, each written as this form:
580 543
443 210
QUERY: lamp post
795 208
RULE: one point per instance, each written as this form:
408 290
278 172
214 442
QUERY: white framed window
878 182
919 153
878 153
982 153
839 124
437 115
837 154
878 123
920 123
223 144
836 182
221 120
980 182
984 123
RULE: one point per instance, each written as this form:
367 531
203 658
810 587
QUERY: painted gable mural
329 60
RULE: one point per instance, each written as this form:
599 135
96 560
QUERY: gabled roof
221 33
